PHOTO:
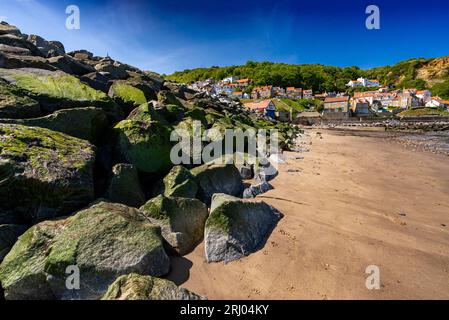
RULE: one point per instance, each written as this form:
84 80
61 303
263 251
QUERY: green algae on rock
137 287
85 123
179 182
50 173
181 219
125 187
16 105
104 241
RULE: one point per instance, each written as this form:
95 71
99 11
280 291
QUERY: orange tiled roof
260 106
337 99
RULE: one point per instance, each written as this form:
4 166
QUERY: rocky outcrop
58 90
85 123
137 287
236 228
43 173
114 68
146 144
47 48
6 28
8 236
181 220
217 178
125 186
179 182
103 241
16 105
70 65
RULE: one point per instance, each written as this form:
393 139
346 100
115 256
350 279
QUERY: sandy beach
357 200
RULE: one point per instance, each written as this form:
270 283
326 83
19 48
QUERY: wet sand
358 200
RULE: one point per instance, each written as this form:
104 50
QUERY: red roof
259 106
337 99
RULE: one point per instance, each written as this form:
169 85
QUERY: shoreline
354 202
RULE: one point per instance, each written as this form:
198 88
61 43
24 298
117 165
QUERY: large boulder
81 54
181 220
16 105
47 48
70 65
43 173
14 50
17 41
127 95
6 28
236 227
125 186
85 123
98 80
103 241
8 236
15 61
179 182
146 144
117 71
217 178
58 90
137 287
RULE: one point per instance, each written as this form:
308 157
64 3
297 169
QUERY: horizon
171 36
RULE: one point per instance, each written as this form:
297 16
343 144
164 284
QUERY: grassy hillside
418 73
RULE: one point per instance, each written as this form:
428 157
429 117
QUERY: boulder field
87 184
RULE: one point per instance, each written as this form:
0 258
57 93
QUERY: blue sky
170 35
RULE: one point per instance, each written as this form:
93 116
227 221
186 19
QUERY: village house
263 92
265 107
293 93
236 94
362 82
230 79
423 95
406 100
243 83
307 94
279 92
336 107
360 108
437 102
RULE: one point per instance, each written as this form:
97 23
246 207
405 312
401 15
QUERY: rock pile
87 183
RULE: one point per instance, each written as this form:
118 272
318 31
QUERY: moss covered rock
103 241
125 186
146 144
236 227
8 236
181 219
179 182
15 105
43 173
217 178
127 95
85 123
137 287
58 90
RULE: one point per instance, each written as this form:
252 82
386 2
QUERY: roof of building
243 80
261 105
336 99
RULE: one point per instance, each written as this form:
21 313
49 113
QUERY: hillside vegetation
418 73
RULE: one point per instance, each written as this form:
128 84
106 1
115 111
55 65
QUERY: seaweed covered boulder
8 236
125 187
85 123
179 182
15 105
43 173
127 95
146 144
55 90
236 227
217 178
103 242
137 287
181 220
